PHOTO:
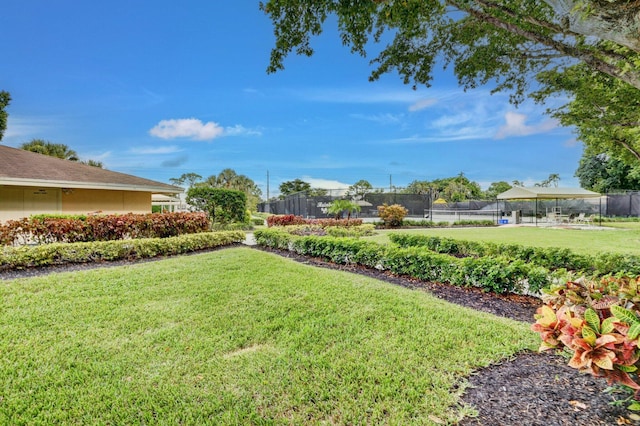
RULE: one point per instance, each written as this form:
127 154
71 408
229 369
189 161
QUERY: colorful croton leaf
550 325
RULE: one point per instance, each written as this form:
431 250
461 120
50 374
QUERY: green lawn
237 336
580 240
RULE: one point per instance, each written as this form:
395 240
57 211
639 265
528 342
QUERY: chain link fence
421 206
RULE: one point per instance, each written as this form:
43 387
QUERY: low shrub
290 220
46 229
393 215
285 220
424 223
598 322
469 222
496 274
549 257
351 231
64 253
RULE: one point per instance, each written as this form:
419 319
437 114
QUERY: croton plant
599 323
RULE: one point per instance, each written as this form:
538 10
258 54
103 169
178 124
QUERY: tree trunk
617 21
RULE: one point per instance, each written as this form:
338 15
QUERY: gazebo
545 193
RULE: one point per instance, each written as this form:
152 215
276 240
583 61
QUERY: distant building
33 183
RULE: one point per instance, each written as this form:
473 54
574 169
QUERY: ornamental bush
291 220
598 322
45 229
393 215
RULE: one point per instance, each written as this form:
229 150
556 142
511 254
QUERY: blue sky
158 89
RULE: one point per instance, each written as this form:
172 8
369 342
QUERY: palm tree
51 149
339 206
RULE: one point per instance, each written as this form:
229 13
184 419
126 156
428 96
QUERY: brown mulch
528 390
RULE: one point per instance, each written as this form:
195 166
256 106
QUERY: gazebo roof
521 193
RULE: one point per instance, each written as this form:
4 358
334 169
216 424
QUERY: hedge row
334 231
65 253
289 219
424 223
549 257
55 229
496 274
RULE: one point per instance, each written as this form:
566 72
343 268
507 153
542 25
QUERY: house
33 183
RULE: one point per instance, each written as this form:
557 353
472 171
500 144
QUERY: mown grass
580 240
237 336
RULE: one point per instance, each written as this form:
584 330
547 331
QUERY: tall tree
553 179
504 41
338 207
51 149
189 178
456 188
604 112
293 186
5 100
229 179
497 188
93 163
360 189
604 173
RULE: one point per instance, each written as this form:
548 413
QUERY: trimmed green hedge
64 253
496 274
548 257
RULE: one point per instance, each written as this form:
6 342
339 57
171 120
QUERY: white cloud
190 128
380 118
422 104
239 130
151 150
516 126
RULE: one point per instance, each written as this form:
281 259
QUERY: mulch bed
529 390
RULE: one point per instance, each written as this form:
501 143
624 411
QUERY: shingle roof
24 168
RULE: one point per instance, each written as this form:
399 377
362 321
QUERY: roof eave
88 185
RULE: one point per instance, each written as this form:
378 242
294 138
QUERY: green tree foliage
293 186
552 180
502 41
57 150
337 207
93 163
229 179
5 100
186 178
360 189
457 188
222 205
497 188
604 111
51 149
604 173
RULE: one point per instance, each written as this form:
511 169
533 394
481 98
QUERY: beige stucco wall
18 202
78 201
